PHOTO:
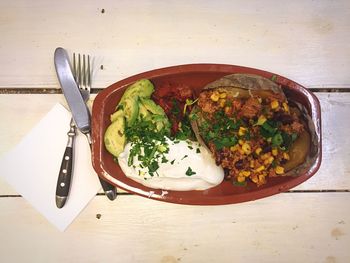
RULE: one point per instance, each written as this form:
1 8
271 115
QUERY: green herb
189 147
147 143
277 139
274 163
185 156
198 150
193 117
222 129
288 139
274 78
189 172
189 102
225 142
268 129
175 109
172 162
247 136
240 183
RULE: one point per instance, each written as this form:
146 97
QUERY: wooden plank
315 227
306 41
334 173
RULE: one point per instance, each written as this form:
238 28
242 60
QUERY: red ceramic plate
195 76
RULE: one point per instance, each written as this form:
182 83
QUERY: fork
82 75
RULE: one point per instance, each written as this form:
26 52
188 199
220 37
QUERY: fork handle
109 189
66 169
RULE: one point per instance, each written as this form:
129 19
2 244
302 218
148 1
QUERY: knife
66 169
78 108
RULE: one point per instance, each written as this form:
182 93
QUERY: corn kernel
214 96
222 95
265 156
222 103
279 170
246 148
258 150
242 131
274 152
255 178
274 104
245 173
252 163
285 107
269 160
234 148
241 142
261 178
228 110
240 179
286 156
261 120
261 168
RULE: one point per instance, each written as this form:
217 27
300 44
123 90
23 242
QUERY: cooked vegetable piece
142 88
116 115
114 138
131 109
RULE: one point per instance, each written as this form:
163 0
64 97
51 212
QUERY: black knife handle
109 189
65 174
66 169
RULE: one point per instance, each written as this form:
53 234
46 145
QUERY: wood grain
306 226
306 41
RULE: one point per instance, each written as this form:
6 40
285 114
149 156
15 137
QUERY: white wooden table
307 41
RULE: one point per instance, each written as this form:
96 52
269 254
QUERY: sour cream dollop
183 157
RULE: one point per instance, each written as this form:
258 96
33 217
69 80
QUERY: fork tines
81 71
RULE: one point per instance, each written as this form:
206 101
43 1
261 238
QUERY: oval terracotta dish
196 76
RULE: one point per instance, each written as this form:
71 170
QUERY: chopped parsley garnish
223 133
198 150
277 139
185 131
189 172
148 144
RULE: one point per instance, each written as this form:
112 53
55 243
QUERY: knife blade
77 106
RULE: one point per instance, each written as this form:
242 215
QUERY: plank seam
95 91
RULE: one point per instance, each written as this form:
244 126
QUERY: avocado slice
131 109
143 112
116 114
151 106
141 88
114 138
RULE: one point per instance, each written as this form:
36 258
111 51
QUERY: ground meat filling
249 137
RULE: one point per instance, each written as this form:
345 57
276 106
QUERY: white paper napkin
32 168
